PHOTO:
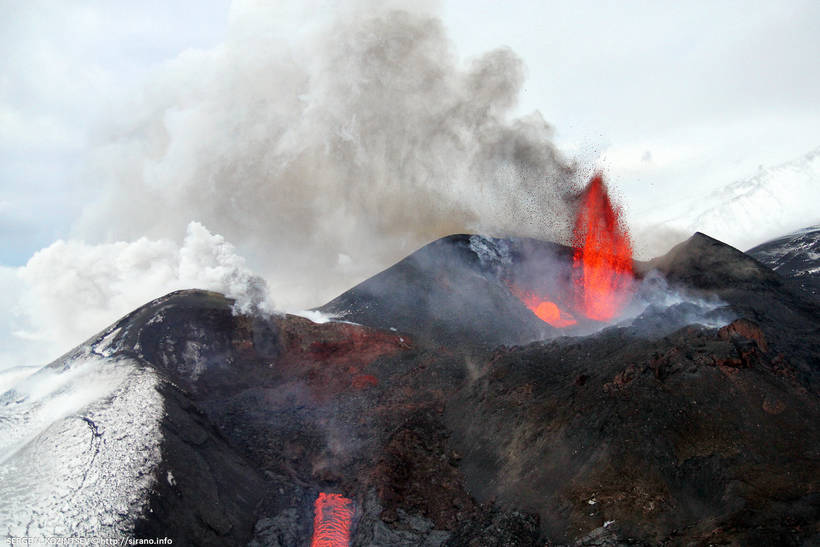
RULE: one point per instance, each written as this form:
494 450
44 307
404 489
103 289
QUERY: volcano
438 409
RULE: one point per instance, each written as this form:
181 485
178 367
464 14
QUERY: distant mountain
776 200
794 256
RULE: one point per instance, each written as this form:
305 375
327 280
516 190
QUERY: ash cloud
323 147
327 156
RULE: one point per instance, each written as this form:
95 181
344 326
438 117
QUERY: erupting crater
602 271
545 310
602 262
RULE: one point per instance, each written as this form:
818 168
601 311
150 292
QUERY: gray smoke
325 157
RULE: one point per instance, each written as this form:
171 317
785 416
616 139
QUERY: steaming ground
71 289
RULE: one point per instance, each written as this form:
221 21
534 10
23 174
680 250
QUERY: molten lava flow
545 310
331 522
602 261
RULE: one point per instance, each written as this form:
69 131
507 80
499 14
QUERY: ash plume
326 156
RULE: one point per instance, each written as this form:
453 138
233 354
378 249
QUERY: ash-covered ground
444 409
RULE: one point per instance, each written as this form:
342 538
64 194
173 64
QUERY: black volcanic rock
633 435
789 316
702 262
669 439
456 291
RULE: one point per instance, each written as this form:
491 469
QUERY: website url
56 540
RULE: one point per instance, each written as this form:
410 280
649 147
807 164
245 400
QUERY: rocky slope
692 421
795 256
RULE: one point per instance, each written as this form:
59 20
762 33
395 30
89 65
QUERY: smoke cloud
323 155
72 289
326 157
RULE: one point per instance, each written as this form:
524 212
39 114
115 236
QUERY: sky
251 147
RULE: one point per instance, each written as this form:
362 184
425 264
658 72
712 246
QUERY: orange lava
333 514
549 312
602 261
545 310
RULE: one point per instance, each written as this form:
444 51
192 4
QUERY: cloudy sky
148 146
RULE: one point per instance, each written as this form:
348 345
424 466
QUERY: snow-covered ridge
103 415
773 201
776 200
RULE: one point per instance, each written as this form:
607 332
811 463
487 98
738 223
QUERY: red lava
602 264
332 520
603 254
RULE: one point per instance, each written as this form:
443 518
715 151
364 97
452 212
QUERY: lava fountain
333 514
602 262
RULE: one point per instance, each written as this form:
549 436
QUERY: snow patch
490 251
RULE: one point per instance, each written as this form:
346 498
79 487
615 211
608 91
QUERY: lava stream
333 514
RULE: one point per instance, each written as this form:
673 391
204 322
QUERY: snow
490 251
103 417
106 346
11 376
775 201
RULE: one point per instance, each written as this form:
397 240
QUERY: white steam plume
323 154
363 137
72 290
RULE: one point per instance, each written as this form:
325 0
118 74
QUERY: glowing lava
549 312
545 310
333 514
602 262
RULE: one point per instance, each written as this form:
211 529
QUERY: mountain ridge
446 443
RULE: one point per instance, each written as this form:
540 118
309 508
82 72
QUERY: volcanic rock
794 257
456 291
444 431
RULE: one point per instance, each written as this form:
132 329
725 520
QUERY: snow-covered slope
794 256
79 443
774 201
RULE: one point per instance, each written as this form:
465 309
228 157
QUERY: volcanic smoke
602 262
333 514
